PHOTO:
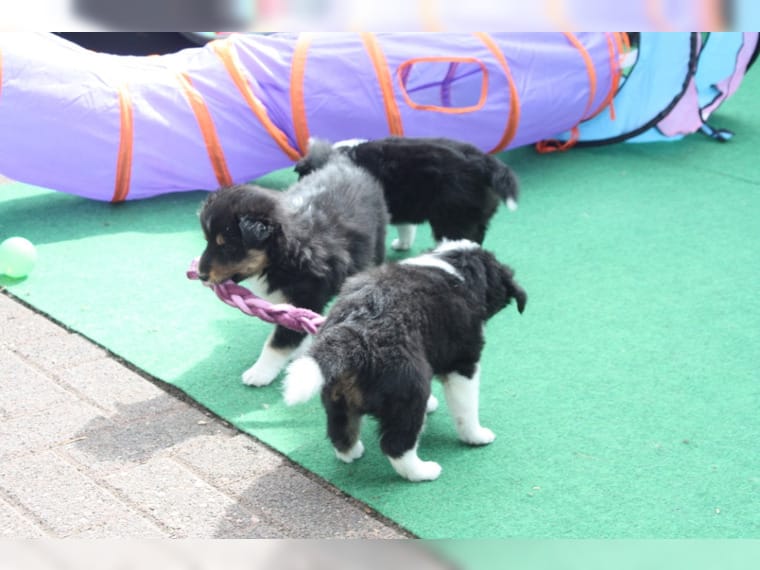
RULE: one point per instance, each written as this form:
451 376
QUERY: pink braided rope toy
294 318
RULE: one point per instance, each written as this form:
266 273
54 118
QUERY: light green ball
17 257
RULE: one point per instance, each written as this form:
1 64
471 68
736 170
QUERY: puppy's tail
318 155
303 381
503 182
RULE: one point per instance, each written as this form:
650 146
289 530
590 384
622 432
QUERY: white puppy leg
462 399
302 348
411 467
354 453
270 362
432 404
405 239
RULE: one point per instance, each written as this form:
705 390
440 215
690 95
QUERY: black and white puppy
391 330
450 184
296 246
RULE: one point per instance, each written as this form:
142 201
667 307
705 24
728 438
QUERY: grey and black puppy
296 246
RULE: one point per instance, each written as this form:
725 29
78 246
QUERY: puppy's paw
260 374
423 471
479 436
411 467
354 453
401 245
432 404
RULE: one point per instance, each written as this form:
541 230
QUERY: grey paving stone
308 509
14 524
118 390
247 469
64 499
48 428
40 340
106 448
54 353
229 461
23 327
137 527
24 390
235 526
187 505
10 307
90 449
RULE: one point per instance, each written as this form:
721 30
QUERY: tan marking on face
347 387
219 239
253 264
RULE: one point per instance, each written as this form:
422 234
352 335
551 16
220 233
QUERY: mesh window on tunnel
446 85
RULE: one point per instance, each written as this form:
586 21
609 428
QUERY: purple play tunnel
122 128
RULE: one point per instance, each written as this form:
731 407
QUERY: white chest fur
259 286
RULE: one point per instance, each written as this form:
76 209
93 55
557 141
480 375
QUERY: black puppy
453 185
296 246
389 332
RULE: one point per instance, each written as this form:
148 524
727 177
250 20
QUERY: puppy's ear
513 288
255 233
303 167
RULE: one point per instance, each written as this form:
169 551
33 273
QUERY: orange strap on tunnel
552 145
395 126
589 69
623 43
208 130
297 103
126 144
626 40
223 49
514 99
613 47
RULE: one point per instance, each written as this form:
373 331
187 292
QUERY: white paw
260 374
411 467
400 245
432 404
479 436
354 453
423 471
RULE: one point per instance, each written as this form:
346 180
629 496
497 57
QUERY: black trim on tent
692 70
754 55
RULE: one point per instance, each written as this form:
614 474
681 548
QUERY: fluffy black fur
395 327
453 185
302 243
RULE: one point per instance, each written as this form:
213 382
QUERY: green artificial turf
626 399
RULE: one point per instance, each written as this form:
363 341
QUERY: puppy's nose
203 277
